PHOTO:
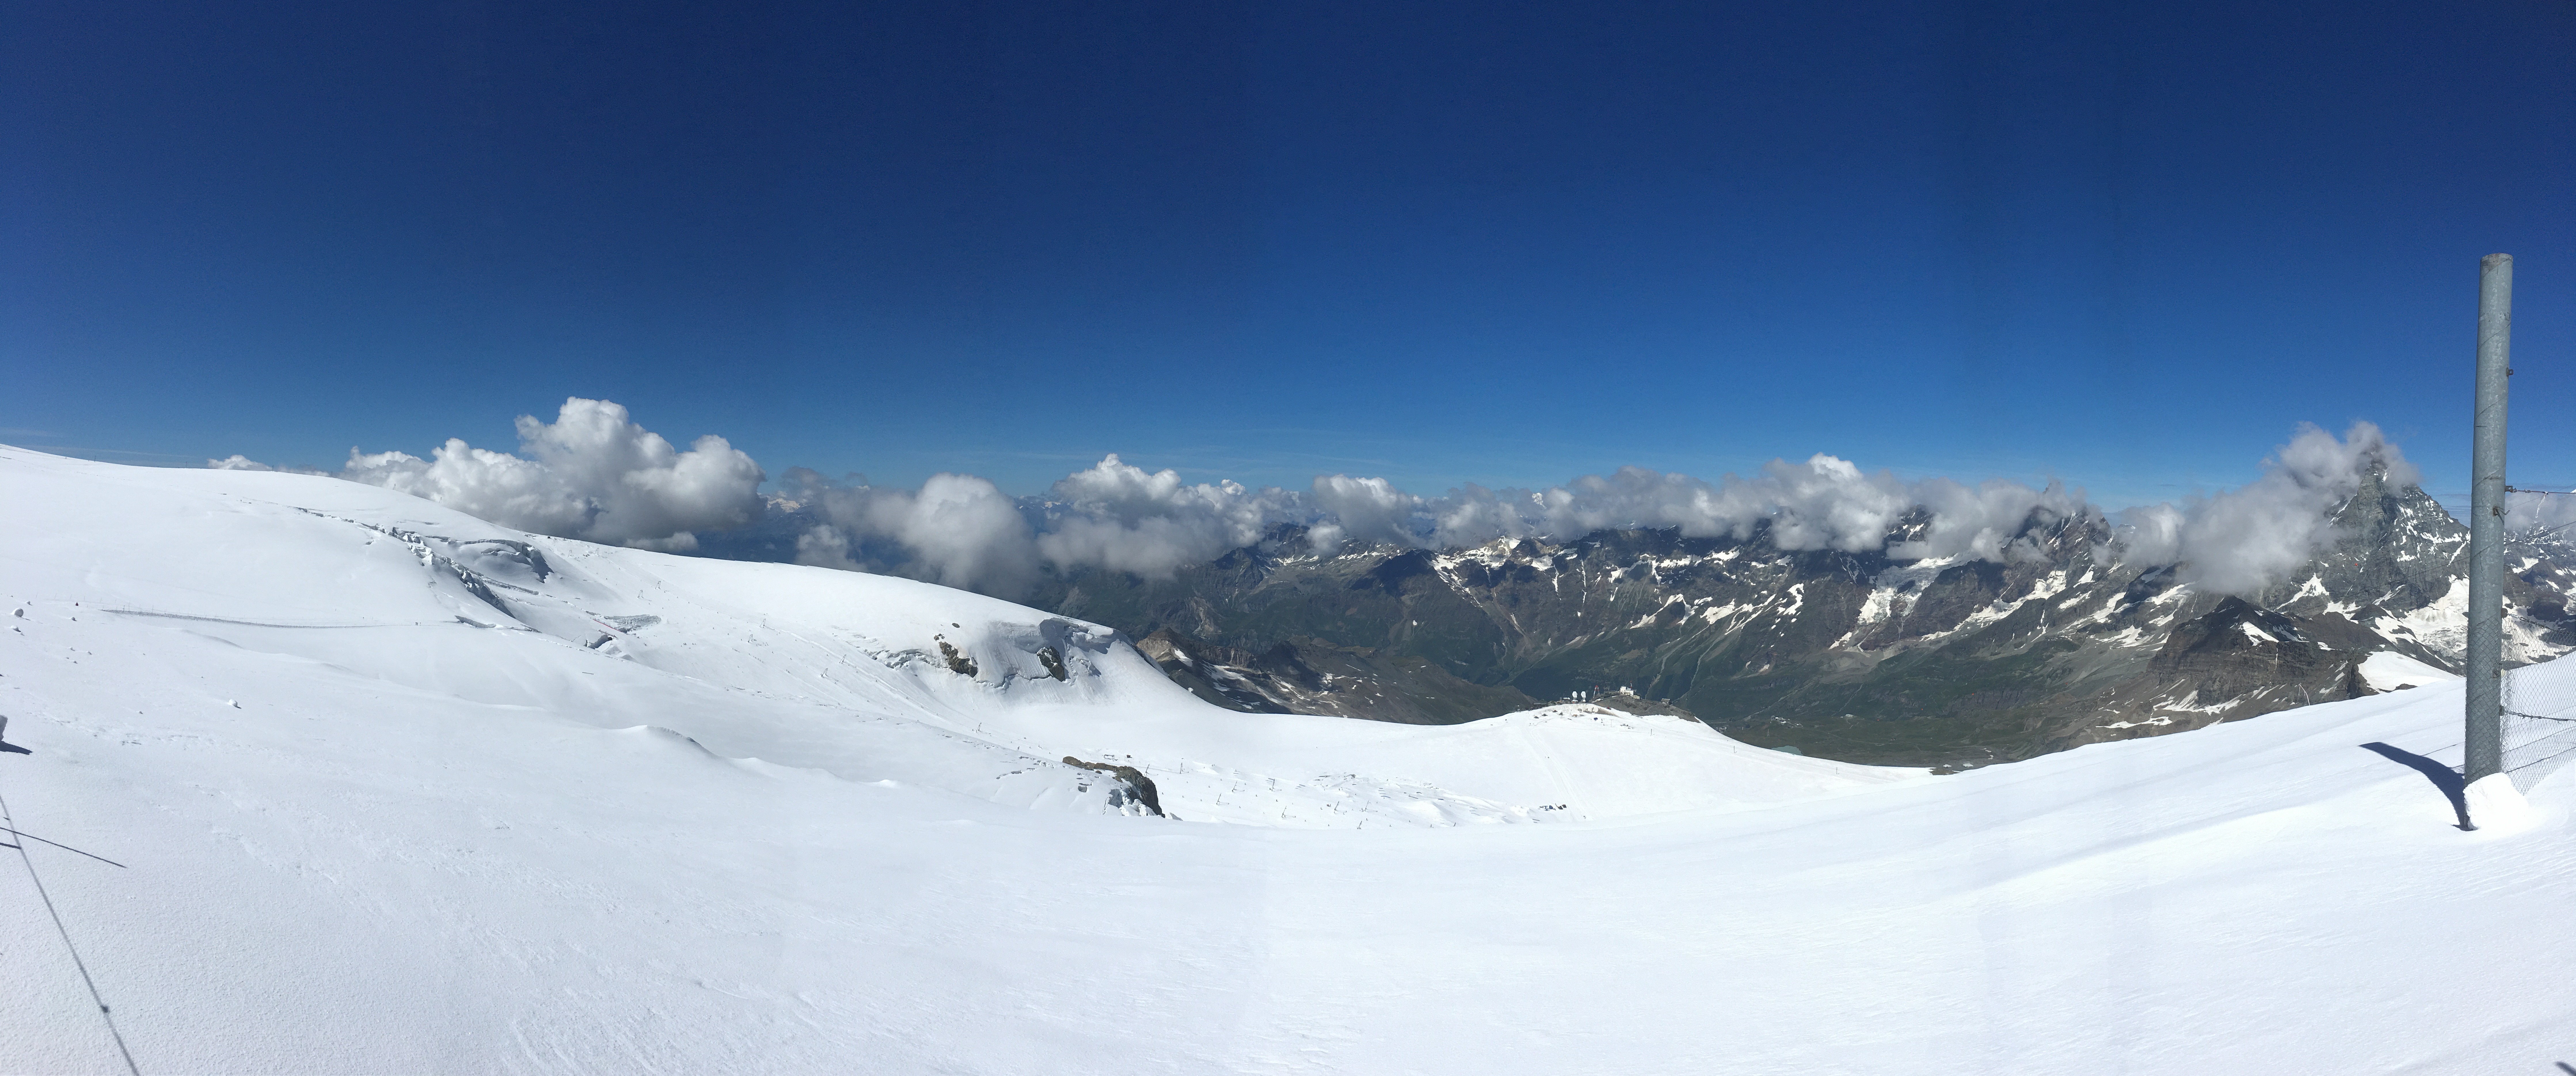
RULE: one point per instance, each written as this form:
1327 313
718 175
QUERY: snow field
773 832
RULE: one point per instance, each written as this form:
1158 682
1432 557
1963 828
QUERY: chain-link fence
2539 720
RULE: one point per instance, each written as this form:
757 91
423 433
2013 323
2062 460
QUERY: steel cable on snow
77 962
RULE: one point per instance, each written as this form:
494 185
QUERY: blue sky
2130 247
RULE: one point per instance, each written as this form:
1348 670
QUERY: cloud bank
595 474
963 531
1823 503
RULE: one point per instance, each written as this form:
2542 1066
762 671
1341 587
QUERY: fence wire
2539 720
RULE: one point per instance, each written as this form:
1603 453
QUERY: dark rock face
1847 655
1140 788
1310 676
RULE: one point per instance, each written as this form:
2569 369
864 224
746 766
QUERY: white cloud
2248 538
2150 534
593 474
962 531
2552 512
1823 503
956 530
1986 521
239 462
1366 510
1120 516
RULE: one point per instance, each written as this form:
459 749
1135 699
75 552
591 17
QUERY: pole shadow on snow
14 749
2443 777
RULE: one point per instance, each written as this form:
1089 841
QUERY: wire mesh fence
2539 720
2539 701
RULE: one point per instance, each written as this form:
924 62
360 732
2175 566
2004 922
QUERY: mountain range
1949 662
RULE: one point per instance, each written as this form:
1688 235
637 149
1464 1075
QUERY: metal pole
2484 754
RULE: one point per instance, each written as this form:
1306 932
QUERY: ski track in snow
373 822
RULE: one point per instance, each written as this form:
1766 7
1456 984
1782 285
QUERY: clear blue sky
2127 245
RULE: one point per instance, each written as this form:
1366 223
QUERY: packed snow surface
2388 670
386 788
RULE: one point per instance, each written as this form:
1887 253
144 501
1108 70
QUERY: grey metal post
2484 754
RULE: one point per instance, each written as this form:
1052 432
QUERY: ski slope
397 790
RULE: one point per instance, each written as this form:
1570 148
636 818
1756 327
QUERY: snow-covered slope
395 790
864 677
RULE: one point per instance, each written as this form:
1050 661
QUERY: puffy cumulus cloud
479 482
1822 503
2150 534
1120 516
956 530
1825 503
1635 496
593 473
962 531
1367 510
1988 521
2246 539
